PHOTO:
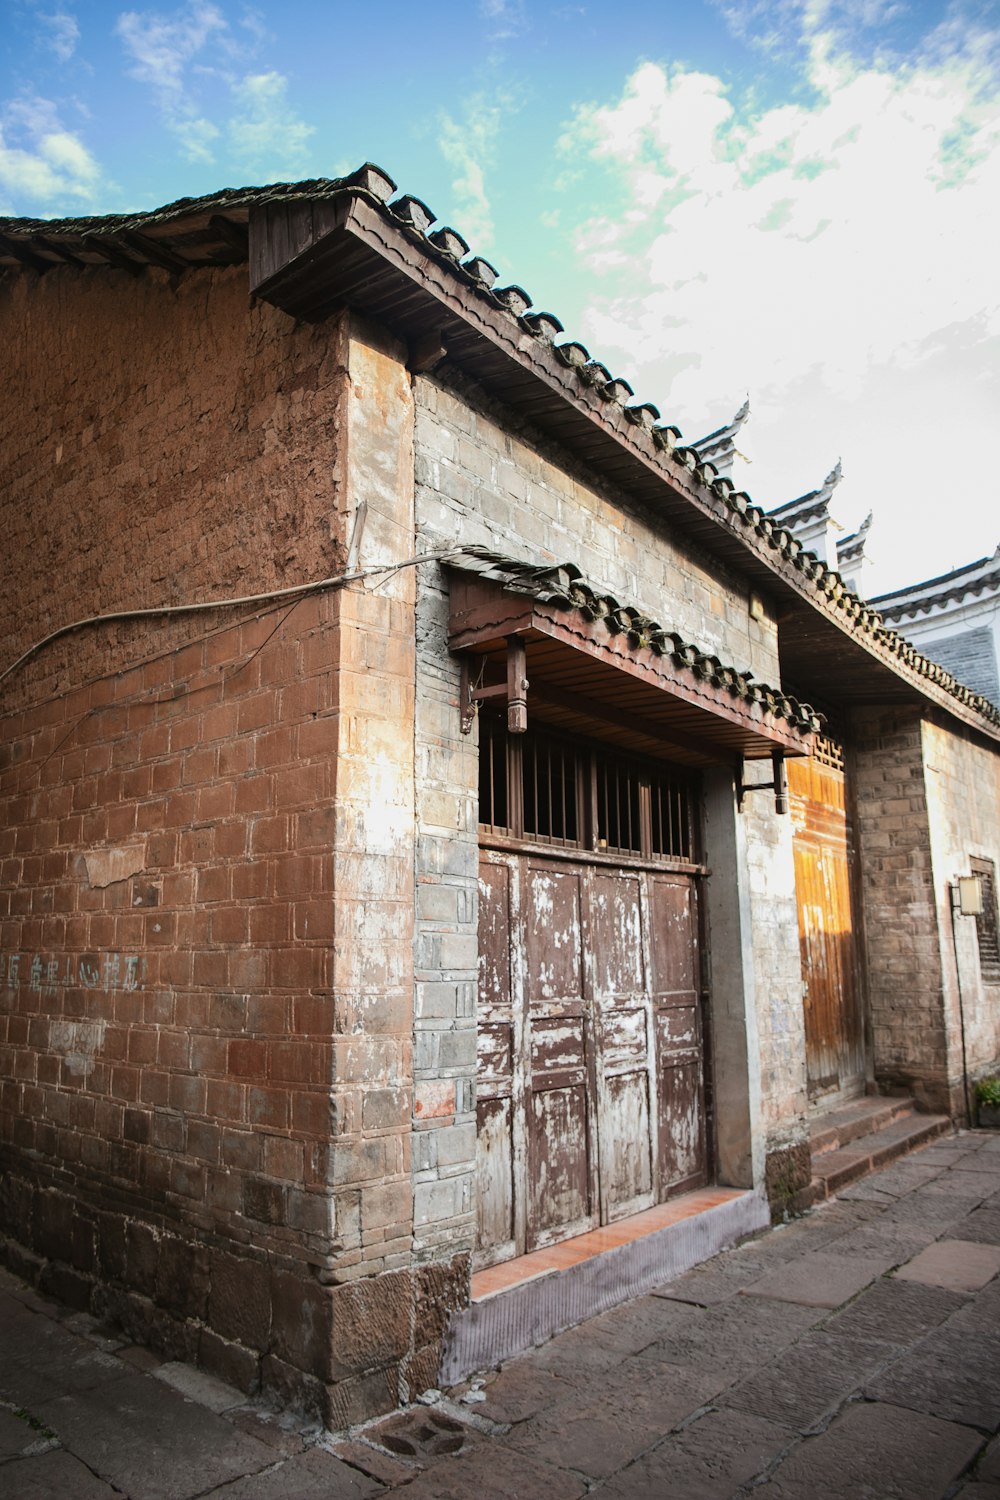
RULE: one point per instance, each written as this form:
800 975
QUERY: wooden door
823 849
590 1081
676 987
625 1072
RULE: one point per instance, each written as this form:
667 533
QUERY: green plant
988 1091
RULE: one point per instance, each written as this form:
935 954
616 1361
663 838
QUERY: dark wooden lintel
236 236
155 253
97 246
23 254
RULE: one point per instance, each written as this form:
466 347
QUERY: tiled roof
719 447
564 585
851 547
815 503
982 576
212 231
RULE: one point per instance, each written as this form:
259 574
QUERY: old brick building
395 724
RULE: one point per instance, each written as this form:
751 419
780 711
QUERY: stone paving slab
947 1151
41 1361
810 1380
725 1275
980 1311
986 1162
491 1471
372 1462
982 1225
875 1452
932 1213
866 1190
17 1434
729 1340
610 1430
708 1460
903 1177
953 1373
895 1312
988 1467
892 1243
51 1475
520 1390
976 1184
583 1352
199 1386
315 1475
956 1265
823 1279
146 1440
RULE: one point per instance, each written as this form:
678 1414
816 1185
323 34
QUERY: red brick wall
163 442
166 815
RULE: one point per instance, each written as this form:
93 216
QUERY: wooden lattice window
986 922
546 789
829 752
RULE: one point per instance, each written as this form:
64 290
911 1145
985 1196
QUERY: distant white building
955 620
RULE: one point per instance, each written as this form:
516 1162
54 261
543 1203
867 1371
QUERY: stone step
836 1168
838 1127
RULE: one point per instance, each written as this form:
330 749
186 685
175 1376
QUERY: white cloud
506 19
831 257
61 33
189 60
266 130
41 162
469 145
162 49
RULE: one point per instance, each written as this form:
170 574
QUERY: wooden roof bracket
779 784
514 690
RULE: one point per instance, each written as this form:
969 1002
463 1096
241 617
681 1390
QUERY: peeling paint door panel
558 1067
823 850
623 1025
590 1088
676 999
496 1149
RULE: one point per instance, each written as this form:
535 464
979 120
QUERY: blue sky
795 200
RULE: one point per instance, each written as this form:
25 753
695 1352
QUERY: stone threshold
522 1303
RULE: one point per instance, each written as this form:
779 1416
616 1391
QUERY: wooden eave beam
23 254
152 251
108 251
487 626
236 236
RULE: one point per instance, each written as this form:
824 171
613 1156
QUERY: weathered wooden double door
590 1087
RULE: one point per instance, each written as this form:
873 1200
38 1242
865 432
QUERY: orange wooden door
823 848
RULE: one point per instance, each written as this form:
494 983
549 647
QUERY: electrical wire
160 611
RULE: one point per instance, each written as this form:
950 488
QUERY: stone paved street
851 1355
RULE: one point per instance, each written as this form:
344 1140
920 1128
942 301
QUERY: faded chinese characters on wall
103 972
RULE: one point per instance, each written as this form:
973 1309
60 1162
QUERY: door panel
498 1126
673 926
823 851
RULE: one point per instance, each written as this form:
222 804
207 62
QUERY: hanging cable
164 610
